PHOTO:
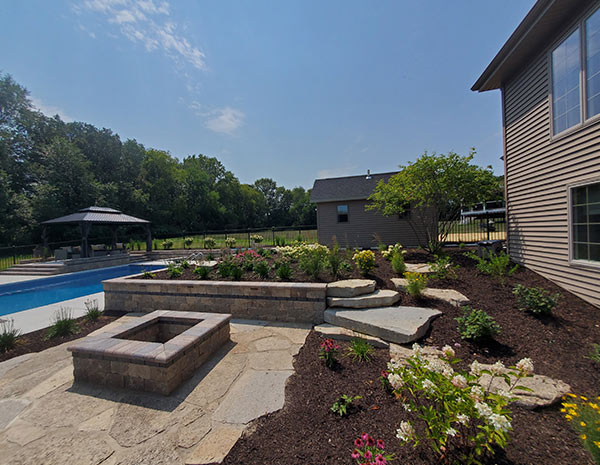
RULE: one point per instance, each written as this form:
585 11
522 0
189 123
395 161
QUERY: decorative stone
379 298
100 422
447 295
399 353
344 334
418 268
23 433
64 376
394 324
350 288
216 445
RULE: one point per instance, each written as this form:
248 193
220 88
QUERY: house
341 214
548 73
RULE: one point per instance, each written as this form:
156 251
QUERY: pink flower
380 460
380 444
358 442
365 437
370 441
355 454
368 455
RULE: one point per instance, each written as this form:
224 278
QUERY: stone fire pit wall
271 301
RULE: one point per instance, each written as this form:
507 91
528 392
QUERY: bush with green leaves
261 269
202 272
236 272
460 420
476 325
497 265
415 283
148 275
167 244
595 353
63 324
296 251
209 243
343 405
284 271
359 349
398 264
230 242
365 261
313 261
9 335
184 264
389 252
334 260
174 271
224 268
443 268
256 238
535 299
92 311
265 253
188 241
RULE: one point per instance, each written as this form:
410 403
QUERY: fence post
14 255
273 234
487 226
248 231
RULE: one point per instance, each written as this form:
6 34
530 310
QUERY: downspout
505 168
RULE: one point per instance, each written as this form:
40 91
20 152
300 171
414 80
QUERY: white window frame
572 261
583 121
347 212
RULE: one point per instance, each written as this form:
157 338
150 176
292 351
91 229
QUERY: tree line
50 168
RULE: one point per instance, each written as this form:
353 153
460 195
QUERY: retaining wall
290 302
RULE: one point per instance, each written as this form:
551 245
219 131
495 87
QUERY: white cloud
224 120
145 22
50 110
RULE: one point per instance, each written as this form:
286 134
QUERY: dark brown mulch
305 431
36 342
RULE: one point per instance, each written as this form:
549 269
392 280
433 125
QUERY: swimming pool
16 297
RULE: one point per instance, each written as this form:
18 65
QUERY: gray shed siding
539 169
361 226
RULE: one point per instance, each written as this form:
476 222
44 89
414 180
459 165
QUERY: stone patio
46 418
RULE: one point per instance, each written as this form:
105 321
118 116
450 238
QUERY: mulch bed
305 431
36 340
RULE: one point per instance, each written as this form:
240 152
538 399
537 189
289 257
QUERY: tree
432 191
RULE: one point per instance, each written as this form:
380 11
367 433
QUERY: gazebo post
85 229
114 236
148 238
44 240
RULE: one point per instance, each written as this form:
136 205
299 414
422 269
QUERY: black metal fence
471 229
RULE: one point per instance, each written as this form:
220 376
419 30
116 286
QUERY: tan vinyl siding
361 226
539 170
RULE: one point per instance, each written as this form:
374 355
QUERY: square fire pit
154 353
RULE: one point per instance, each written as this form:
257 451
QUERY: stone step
379 298
400 325
344 334
447 295
350 288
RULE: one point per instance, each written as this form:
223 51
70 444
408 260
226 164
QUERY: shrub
188 241
416 283
346 267
365 261
584 417
209 243
457 419
313 261
284 271
148 275
535 299
174 271
167 244
367 449
8 335
360 349
63 324
230 242
476 325
265 253
495 265
595 353
328 352
261 269
257 238
343 404
443 268
334 260
236 272
391 250
296 251
92 311
246 259
280 241
184 264
398 264
224 268
202 272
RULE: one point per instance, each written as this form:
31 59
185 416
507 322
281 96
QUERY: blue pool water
16 297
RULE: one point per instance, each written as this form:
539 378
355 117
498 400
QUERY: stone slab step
350 288
400 325
447 295
344 334
379 298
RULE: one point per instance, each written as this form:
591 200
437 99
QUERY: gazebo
86 217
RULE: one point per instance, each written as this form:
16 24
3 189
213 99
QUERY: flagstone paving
46 418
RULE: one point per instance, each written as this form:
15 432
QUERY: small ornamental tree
432 190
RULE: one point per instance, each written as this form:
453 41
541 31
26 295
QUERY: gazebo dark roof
99 215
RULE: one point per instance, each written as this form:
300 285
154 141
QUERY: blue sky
291 90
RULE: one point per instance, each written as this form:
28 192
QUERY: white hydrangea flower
503 393
393 365
525 366
500 422
462 419
406 407
418 350
498 367
459 381
437 365
428 385
450 432
476 393
405 432
395 380
483 409
448 351
476 368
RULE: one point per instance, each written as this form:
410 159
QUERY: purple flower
380 460
380 444
355 454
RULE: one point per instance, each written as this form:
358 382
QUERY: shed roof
103 215
537 30
347 188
